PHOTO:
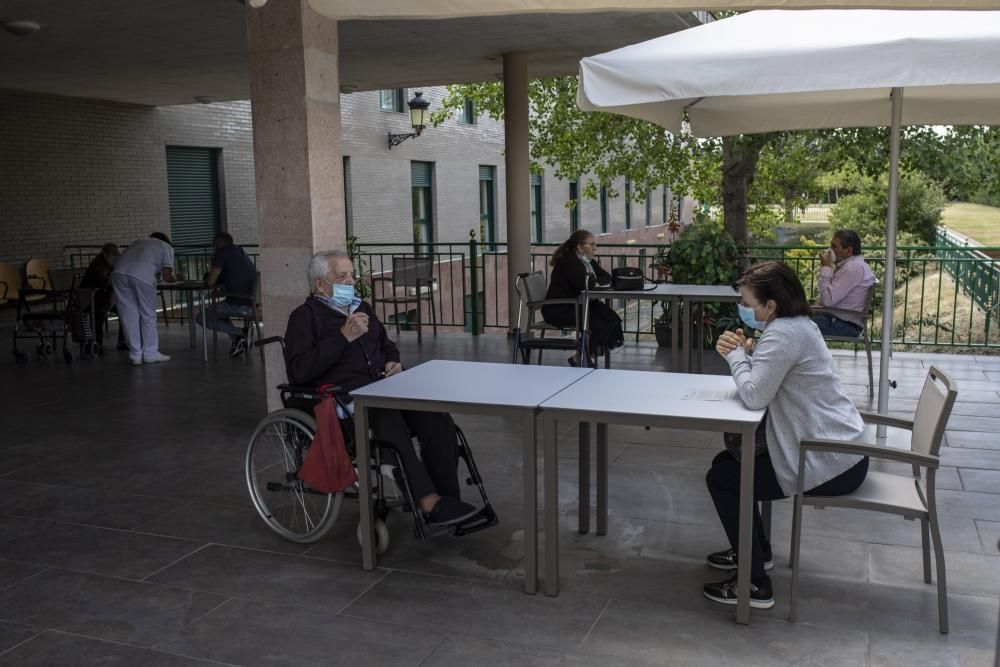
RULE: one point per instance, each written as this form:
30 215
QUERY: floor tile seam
471 635
125 531
146 647
434 650
40 632
104 575
45 568
364 592
212 543
201 616
174 562
593 625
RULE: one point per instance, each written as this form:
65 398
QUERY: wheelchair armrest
271 339
549 302
312 390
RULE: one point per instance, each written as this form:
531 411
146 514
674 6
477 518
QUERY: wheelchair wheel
381 536
287 504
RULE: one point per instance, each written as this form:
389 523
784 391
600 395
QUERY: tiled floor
127 538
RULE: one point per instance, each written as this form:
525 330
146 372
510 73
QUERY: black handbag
627 278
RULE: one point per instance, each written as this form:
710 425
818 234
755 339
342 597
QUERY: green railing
947 294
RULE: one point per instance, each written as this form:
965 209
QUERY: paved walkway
126 535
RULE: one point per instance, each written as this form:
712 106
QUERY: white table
678 296
469 387
644 398
188 288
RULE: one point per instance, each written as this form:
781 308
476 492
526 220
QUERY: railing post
474 282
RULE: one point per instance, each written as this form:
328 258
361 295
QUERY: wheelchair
298 513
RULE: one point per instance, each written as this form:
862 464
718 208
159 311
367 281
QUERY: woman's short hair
570 245
777 282
319 264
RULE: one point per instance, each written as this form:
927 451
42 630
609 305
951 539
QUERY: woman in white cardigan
790 373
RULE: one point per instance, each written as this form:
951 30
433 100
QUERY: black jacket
316 353
570 275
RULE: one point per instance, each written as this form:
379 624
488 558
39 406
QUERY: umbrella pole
889 282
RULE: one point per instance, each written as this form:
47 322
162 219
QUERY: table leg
190 309
529 485
688 334
551 467
701 336
602 479
584 494
364 486
746 524
204 334
675 340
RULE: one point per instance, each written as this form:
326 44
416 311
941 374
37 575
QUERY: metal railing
947 294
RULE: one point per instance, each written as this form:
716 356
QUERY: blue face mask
748 317
343 295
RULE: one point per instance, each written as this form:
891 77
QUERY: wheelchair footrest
487 518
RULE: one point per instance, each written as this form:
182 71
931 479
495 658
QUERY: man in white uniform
134 281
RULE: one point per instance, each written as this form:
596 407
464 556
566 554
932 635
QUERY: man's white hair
319 264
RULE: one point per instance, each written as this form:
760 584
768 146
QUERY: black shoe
726 560
572 361
724 592
238 347
449 511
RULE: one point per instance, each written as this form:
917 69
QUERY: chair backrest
412 271
534 286
10 282
36 274
933 409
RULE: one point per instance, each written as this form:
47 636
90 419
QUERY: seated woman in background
97 281
574 270
790 372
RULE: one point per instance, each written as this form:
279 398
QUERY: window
421 179
467 114
649 209
193 192
487 206
536 207
574 211
628 204
604 209
666 206
392 99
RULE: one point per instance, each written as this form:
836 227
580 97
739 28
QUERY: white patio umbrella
790 70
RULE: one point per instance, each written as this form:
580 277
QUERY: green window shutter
193 192
485 173
420 174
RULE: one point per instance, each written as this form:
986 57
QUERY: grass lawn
981 223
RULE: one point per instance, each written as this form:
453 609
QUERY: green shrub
920 203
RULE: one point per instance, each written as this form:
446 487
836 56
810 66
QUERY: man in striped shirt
844 281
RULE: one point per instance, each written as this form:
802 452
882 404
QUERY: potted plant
705 254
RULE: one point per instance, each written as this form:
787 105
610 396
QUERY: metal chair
912 497
863 337
531 329
412 281
251 323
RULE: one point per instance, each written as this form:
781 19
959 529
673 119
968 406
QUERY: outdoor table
679 296
644 398
188 289
467 387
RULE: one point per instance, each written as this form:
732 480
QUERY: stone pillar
518 166
295 101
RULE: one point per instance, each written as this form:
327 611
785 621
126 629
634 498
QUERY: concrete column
295 101
518 167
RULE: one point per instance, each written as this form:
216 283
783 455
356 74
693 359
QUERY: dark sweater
316 352
569 278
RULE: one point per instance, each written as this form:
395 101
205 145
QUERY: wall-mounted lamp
419 115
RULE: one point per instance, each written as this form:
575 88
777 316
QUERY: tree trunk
739 164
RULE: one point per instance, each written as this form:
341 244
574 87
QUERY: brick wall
78 171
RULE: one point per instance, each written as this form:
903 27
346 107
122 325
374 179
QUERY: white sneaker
135 361
155 359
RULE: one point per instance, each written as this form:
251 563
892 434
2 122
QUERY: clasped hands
354 328
730 340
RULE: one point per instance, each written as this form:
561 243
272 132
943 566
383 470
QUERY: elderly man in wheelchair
334 339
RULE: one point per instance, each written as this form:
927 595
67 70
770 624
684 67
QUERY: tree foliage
919 204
